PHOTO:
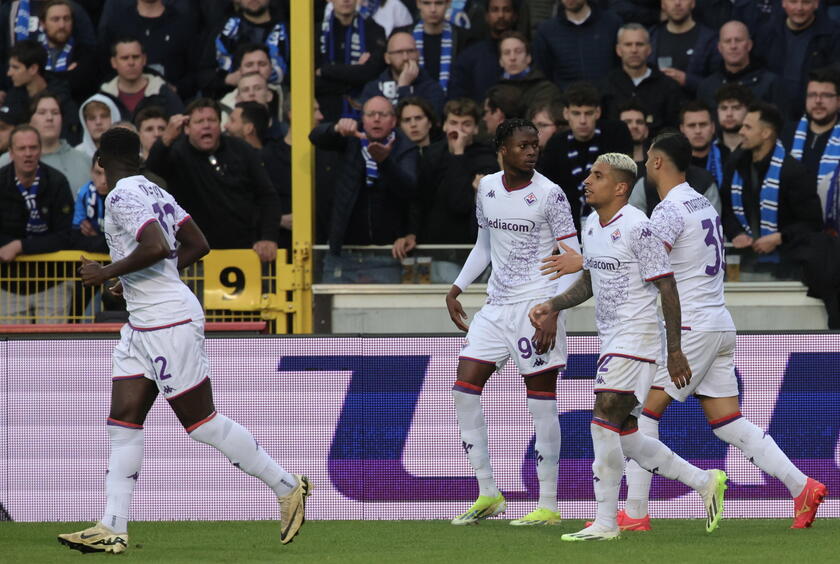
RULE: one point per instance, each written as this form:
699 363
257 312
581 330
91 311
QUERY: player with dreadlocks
522 217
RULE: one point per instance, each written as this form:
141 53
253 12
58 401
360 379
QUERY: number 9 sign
232 280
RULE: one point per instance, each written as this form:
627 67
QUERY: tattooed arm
577 293
678 367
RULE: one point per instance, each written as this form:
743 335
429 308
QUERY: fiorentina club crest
531 199
616 235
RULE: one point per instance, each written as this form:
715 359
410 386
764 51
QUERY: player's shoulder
492 181
632 216
541 185
667 209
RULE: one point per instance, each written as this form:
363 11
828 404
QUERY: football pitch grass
241 542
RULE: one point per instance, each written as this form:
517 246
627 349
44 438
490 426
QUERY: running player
625 263
161 347
521 214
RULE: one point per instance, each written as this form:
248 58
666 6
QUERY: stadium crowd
409 93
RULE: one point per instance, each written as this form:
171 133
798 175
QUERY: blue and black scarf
579 173
35 224
445 51
714 163
830 157
276 37
371 166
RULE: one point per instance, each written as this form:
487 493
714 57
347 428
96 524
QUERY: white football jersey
525 225
688 223
623 257
155 296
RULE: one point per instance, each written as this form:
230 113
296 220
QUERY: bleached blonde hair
619 162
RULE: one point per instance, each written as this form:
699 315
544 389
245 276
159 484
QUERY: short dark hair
633 105
125 39
769 114
120 145
22 128
694 106
506 98
513 34
36 99
50 3
552 105
514 4
507 127
676 146
257 115
149 112
734 91
827 74
582 93
462 107
94 159
29 52
204 102
421 103
246 48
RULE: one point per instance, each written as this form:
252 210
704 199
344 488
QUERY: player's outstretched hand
566 263
91 272
544 337
456 312
539 313
678 369
116 289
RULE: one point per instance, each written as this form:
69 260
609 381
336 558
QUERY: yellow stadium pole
302 33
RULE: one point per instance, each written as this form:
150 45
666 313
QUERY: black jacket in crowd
444 211
660 95
474 71
369 215
704 55
764 85
532 87
234 202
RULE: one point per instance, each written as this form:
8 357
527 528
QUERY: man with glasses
404 77
375 184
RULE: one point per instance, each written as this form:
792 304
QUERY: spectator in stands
732 103
738 66
697 124
132 88
502 102
351 53
96 114
36 209
444 211
89 213
715 13
252 60
577 44
150 123
72 62
249 122
815 139
403 76
659 94
477 67
254 87
27 63
569 156
515 60
389 14
8 121
794 43
636 118
768 208
168 36
220 179
547 115
46 118
374 188
682 48
438 41
418 121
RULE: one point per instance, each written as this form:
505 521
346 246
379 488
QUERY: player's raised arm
192 244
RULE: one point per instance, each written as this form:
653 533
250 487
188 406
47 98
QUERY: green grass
240 542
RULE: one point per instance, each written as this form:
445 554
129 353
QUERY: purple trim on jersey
605 425
125 424
628 432
478 360
628 356
668 245
654 278
198 424
567 236
718 423
533 394
504 184
467 388
613 220
142 227
613 391
660 388
129 377
685 328
651 414
549 369
144 329
183 221
188 390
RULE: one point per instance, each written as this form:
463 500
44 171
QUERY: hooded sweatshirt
87 146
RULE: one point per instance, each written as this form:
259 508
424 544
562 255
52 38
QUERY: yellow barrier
232 285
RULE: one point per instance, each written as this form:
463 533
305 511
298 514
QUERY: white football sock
124 464
473 428
654 456
638 479
543 408
606 473
761 450
239 446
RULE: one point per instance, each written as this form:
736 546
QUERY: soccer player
521 214
625 263
691 229
161 349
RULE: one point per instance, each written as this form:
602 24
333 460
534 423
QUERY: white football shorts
500 332
625 375
711 357
174 357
